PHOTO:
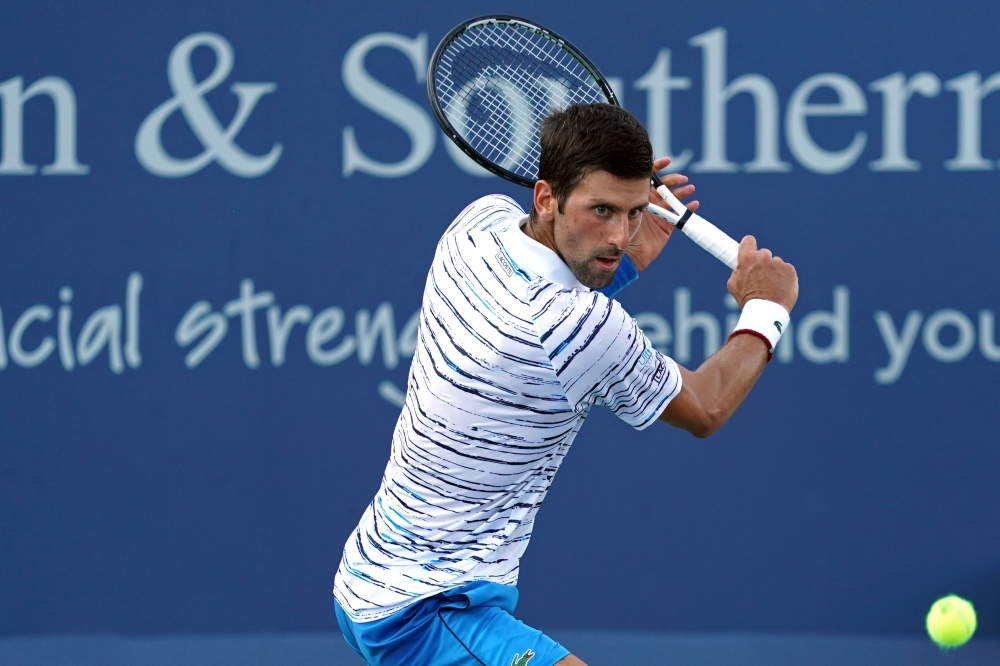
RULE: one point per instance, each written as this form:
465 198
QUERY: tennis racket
491 82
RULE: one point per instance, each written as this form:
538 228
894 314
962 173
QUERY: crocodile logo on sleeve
522 660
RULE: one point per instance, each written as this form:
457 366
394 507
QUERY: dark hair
591 137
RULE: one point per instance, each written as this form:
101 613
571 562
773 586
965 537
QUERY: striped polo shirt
512 353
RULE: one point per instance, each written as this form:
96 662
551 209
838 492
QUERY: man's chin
595 278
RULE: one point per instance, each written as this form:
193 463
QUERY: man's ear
544 201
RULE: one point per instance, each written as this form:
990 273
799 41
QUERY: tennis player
518 340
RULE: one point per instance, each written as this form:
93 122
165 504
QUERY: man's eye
601 210
634 213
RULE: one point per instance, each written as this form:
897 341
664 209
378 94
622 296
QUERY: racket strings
498 80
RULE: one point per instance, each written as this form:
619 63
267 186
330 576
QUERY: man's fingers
661 163
682 192
748 246
674 179
693 206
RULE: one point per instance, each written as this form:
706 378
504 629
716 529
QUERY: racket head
493 79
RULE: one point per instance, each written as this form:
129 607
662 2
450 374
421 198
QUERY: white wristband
765 319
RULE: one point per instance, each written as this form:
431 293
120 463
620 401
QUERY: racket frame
700 230
442 118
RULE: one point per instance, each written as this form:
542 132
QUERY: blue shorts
470 625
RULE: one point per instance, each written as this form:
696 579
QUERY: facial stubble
584 268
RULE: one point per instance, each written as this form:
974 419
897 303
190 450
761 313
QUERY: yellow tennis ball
951 621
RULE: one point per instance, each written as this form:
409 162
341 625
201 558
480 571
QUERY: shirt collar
530 254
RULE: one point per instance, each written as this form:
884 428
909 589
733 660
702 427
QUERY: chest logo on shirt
505 265
522 660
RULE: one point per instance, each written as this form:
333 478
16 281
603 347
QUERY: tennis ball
951 621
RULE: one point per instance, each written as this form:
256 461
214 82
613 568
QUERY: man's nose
620 232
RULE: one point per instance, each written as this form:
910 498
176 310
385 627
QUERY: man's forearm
711 394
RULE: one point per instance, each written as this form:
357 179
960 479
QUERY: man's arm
711 394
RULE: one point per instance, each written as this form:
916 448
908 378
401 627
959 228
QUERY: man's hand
654 232
758 274
711 394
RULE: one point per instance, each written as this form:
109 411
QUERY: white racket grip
712 239
663 213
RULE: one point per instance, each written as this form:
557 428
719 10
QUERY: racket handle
702 232
669 197
712 239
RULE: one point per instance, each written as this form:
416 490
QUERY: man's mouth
608 263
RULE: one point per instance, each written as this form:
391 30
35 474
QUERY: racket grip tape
712 239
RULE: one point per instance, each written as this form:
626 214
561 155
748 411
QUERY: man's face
598 219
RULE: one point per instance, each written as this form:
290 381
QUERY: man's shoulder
486 213
497 204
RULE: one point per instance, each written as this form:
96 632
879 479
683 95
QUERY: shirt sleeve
481 213
600 356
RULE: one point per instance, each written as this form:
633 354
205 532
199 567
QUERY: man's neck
542 234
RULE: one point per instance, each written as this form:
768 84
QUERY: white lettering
133 288
987 345
898 345
932 336
685 322
407 344
391 393
391 105
716 95
64 100
63 332
656 329
896 93
971 91
838 321
280 327
245 306
220 143
198 320
102 329
658 84
785 349
325 327
506 102
367 329
851 102
24 358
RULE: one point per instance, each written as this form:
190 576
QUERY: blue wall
151 483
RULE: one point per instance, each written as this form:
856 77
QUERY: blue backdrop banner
216 218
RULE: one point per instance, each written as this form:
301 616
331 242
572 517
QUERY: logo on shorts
504 264
522 661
